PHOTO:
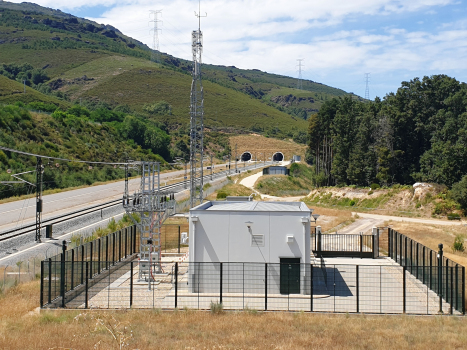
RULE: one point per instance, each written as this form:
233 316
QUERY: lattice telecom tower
367 88
154 207
196 120
299 81
155 56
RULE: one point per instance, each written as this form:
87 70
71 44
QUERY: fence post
113 247
131 284
431 269
424 265
178 239
311 288
119 245
457 286
357 275
265 286
389 244
440 277
86 286
220 287
452 288
405 250
404 288
62 273
463 290
42 284
395 245
50 281
82 264
107 252
126 242
176 284
99 245
72 269
447 281
417 252
90 258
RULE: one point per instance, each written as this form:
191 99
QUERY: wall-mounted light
249 224
290 239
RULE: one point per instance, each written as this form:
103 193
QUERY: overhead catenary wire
57 158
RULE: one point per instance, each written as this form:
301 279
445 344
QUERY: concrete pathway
250 183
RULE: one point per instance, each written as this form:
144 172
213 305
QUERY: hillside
95 64
67 136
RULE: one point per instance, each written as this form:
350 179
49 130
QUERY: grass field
23 327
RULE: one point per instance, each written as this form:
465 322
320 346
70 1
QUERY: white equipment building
249 234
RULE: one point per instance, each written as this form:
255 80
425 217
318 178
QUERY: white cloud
271 35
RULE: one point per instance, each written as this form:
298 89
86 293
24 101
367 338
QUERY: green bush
374 186
458 245
221 195
454 216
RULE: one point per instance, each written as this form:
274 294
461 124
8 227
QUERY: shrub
352 203
458 245
454 216
217 308
374 186
221 195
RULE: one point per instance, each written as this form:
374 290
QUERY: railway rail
176 187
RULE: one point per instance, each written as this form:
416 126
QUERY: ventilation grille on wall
257 240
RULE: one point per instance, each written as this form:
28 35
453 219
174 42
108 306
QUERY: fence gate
342 245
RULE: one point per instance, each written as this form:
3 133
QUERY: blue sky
339 40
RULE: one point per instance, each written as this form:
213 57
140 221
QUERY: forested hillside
418 133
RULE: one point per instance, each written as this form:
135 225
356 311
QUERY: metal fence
343 245
66 271
444 276
174 238
388 289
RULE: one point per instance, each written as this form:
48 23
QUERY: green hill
96 64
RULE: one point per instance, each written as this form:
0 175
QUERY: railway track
176 187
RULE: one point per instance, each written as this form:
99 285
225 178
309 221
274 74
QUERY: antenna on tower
367 88
196 117
300 65
155 56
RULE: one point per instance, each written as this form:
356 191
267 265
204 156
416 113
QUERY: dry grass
264 145
432 235
330 218
186 329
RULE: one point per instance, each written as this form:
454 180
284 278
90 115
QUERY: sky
338 40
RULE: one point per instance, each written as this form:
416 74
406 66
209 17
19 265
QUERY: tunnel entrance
246 156
278 157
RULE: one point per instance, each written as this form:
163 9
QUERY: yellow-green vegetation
231 189
297 183
188 329
12 91
434 201
112 226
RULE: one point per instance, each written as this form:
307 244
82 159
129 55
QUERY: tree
459 192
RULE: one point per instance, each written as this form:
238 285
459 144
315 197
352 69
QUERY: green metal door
290 276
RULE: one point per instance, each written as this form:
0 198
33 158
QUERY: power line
62 159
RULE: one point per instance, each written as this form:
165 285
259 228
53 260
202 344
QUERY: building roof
253 206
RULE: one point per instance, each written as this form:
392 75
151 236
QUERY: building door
290 276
